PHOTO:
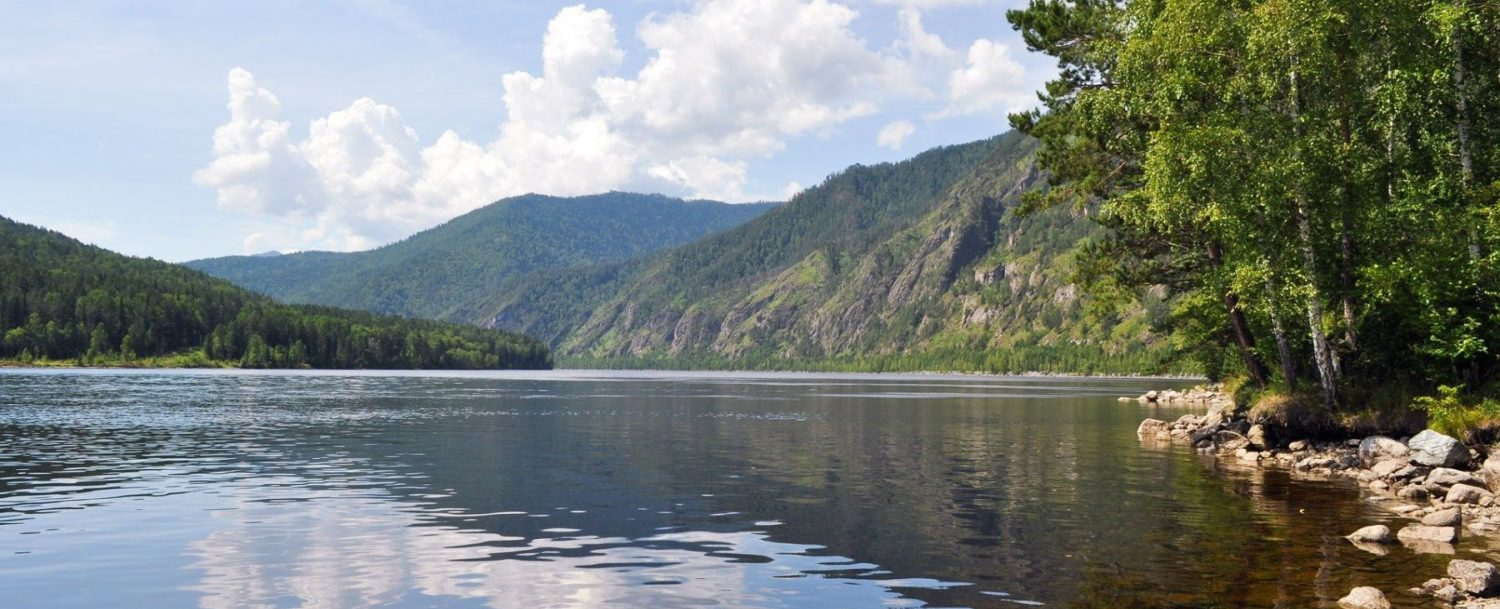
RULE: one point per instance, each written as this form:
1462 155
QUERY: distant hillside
922 264
444 272
62 300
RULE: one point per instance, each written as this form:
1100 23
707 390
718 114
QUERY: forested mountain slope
444 272
912 265
63 300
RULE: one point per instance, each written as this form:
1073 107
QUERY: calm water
573 489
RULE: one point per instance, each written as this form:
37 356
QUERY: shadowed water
573 489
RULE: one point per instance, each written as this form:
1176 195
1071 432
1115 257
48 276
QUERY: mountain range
444 272
922 264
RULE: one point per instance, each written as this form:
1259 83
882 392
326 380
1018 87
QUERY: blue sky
181 130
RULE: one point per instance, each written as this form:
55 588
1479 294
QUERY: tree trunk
1465 157
1240 327
1322 355
1283 348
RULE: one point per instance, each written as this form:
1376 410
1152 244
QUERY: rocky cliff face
958 272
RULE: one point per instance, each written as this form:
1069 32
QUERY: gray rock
1412 492
1149 427
1375 533
1375 449
1463 493
1450 517
1422 532
1260 437
1298 445
1408 472
1365 597
1315 463
1490 470
1476 578
1213 421
1433 449
1151 395
1443 476
1230 441
1239 426
1202 435
1385 468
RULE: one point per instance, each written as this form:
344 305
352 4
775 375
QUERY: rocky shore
1441 486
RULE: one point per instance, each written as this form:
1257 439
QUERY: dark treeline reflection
783 491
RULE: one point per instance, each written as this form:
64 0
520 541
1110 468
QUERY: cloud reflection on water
331 550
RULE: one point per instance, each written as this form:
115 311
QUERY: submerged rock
1149 427
1375 533
1375 449
1433 449
1365 597
1473 577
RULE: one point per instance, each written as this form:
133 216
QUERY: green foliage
1452 413
449 271
61 300
1312 180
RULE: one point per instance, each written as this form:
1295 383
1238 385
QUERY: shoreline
61 365
1439 485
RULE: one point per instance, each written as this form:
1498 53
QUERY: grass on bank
1391 409
187 359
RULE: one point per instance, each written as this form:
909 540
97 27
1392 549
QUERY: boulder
1490 471
1433 449
1476 578
1375 533
1442 476
1261 437
1202 435
1463 493
1239 426
1312 463
1409 472
1385 468
1149 427
1151 395
1297 446
1450 517
1422 532
1364 597
1230 441
1375 449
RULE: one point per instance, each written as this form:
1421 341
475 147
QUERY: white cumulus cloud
722 84
894 134
991 79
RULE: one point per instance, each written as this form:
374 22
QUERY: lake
562 489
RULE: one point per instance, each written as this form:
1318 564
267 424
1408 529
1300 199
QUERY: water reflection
587 490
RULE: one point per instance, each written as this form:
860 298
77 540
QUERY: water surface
590 489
